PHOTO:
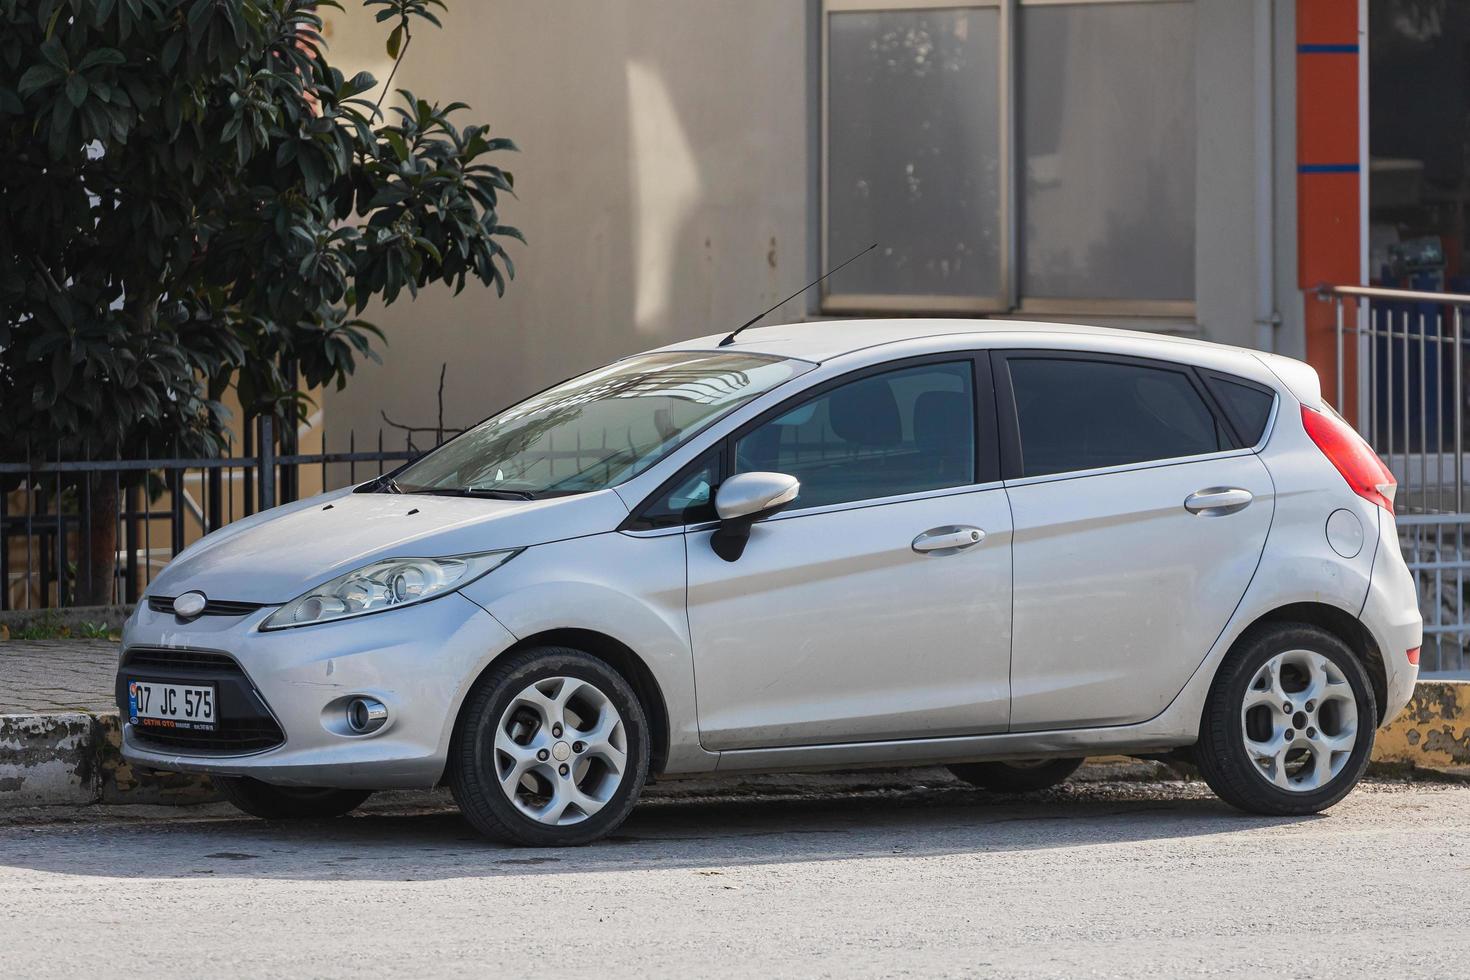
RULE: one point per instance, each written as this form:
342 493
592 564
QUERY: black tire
1017 777
287 802
1221 753
472 772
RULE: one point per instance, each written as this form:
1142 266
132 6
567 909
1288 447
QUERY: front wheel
1017 776
551 749
287 802
1289 723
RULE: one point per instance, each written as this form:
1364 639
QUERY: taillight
1414 656
1353 457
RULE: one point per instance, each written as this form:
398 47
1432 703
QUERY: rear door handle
947 540
1217 501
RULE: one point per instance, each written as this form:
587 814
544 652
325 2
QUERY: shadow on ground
423 837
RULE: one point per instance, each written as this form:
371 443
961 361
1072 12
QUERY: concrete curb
1433 732
74 758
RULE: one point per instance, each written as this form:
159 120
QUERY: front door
878 606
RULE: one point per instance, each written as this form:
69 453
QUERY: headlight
382 585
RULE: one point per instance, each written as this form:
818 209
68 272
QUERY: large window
888 434
1025 154
1077 414
1419 131
599 429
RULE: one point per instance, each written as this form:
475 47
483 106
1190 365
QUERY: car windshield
597 430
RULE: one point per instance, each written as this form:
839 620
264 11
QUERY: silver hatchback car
996 546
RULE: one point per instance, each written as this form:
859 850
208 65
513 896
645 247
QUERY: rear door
1139 519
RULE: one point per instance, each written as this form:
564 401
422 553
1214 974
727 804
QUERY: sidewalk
60 736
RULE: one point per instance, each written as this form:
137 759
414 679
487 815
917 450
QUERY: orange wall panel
1327 108
1327 21
1327 229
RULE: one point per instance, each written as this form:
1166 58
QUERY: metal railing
47 518
1400 379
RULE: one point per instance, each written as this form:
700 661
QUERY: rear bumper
419 661
1391 614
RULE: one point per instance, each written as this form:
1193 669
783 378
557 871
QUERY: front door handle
948 540
1217 501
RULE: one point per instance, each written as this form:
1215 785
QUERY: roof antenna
731 339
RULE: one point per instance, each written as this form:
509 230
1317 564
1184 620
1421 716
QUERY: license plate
155 705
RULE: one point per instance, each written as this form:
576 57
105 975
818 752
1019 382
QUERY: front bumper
419 661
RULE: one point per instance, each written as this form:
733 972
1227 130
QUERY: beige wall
667 187
663 186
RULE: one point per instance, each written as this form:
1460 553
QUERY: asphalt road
852 876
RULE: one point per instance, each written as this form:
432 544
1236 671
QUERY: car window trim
987 463
1009 422
820 509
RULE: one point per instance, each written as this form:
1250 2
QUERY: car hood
275 556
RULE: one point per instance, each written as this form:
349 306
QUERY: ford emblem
189 605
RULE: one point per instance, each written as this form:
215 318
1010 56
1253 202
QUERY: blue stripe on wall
1327 168
1326 49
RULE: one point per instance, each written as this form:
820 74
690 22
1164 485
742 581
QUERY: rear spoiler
1299 377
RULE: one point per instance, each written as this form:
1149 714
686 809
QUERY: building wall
668 187
664 189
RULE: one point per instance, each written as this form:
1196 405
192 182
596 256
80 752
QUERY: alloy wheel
560 750
1299 721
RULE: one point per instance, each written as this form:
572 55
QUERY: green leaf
53 52
76 90
395 140
395 42
102 56
38 77
172 48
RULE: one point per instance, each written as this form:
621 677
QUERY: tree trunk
97 555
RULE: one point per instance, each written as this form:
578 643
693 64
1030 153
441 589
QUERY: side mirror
744 499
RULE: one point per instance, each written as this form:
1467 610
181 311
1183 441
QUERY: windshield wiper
386 484
493 493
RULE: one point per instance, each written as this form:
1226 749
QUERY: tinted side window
691 498
1248 406
1082 415
900 432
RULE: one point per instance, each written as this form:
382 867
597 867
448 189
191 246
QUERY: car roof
825 340
822 340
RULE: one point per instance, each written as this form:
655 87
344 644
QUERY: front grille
245 723
167 659
212 607
229 739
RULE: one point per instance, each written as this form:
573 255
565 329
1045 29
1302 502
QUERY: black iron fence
55 551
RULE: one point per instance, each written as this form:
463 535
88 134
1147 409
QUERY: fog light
366 715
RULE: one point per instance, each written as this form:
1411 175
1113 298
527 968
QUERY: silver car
996 546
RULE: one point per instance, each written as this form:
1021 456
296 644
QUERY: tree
194 199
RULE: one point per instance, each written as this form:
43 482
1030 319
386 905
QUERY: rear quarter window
1247 405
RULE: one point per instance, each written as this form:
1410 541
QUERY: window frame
1012 460
1009 218
985 433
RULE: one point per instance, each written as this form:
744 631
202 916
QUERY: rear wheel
551 749
287 802
1289 724
1017 776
